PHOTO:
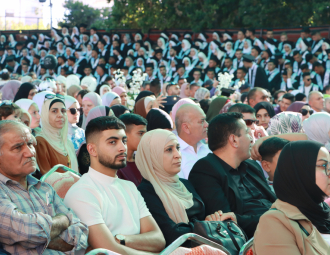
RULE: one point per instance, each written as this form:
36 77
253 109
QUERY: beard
109 162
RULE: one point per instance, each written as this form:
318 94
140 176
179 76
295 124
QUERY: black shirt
254 201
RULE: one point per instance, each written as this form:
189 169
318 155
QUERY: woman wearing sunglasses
299 220
53 146
301 107
75 133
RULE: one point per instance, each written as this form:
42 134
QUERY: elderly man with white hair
33 218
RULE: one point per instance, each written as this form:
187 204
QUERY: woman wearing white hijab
75 133
89 101
104 89
53 146
39 99
33 110
247 47
323 56
186 45
110 98
203 60
317 128
202 93
12 43
60 49
229 49
173 202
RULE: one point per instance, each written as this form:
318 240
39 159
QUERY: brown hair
6 110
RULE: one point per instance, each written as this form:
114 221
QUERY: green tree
79 13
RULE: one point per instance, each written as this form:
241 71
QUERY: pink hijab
10 89
118 90
183 88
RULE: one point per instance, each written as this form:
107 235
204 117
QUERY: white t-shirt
97 198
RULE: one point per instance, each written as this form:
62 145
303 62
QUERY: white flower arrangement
137 80
119 77
47 85
225 82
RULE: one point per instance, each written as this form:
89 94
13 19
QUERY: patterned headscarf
284 123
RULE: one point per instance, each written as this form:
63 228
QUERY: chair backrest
61 182
102 251
247 248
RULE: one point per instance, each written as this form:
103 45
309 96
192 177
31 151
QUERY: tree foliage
207 14
79 13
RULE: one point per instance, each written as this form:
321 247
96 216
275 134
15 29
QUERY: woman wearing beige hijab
173 202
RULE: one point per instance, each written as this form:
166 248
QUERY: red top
130 173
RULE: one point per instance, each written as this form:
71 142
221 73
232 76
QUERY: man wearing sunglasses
308 86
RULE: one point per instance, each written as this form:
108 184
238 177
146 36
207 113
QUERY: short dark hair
278 92
100 124
5 76
6 110
270 147
130 119
225 124
306 74
243 69
326 88
145 83
289 96
241 108
109 78
193 85
155 86
83 92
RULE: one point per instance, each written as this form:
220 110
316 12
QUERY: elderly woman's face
172 157
322 171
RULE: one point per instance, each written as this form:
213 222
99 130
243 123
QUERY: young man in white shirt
191 124
113 209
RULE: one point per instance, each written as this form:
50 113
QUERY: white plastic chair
61 182
246 247
195 238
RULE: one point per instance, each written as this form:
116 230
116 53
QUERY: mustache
29 160
121 154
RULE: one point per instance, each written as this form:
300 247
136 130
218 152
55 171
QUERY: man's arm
101 237
58 244
150 238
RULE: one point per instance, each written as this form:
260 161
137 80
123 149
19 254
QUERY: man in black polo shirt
226 179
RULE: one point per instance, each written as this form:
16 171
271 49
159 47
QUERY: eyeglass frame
325 167
76 110
253 121
310 112
52 96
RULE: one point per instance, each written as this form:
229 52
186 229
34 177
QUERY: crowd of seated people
154 158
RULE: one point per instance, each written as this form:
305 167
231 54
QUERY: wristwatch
120 238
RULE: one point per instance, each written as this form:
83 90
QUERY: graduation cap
2 49
214 58
115 66
83 25
124 67
295 52
248 58
69 40
306 42
62 57
176 48
230 34
243 30
309 57
67 72
158 50
88 65
19 43
43 67
37 56
204 35
114 57
306 30
251 29
10 58
327 51
291 44
139 33
72 58
269 52
316 64
304 66
103 67
174 42
187 34
94 28
44 48
165 35
175 35
273 60
10 48
218 33
179 66
26 60
210 69
284 72
150 65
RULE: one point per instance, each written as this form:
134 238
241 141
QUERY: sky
27 8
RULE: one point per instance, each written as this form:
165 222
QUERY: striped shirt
26 218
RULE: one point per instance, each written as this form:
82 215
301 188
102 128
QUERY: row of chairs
62 182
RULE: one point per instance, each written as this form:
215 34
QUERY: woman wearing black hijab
143 94
299 220
264 112
157 118
119 110
26 90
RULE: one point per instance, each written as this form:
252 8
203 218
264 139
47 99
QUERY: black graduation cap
271 41
124 67
103 67
63 57
68 72
94 28
165 35
243 30
284 72
179 66
43 66
19 43
229 33
218 33
257 48
295 52
273 60
316 64
88 65
251 29
150 65
176 48
10 48
115 66
228 40
187 34
175 41
289 43
304 66
72 58
140 33
37 56
2 48
53 48
44 48
83 25
327 51
158 50
114 57
214 58
269 52
305 30
10 58
212 69
248 58
205 35
175 35
26 60
308 57
69 40
78 50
